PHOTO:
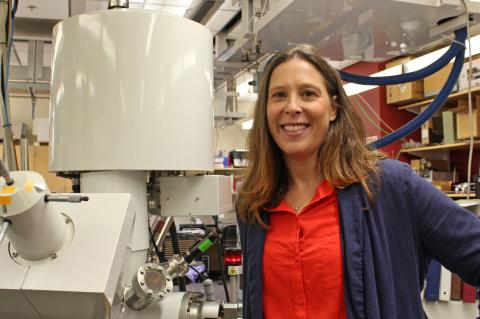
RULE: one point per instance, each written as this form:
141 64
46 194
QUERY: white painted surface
451 310
132 182
80 283
43 9
131 90
208 195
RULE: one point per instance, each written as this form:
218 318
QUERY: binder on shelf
449 127
456 288
469 293
432 287
445 284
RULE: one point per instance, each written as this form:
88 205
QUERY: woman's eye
278 95
308 93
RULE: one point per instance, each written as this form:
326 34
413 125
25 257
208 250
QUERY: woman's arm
449 233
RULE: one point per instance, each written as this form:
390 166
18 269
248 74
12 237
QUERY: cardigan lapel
256 240
350 201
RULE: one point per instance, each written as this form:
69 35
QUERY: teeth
294 128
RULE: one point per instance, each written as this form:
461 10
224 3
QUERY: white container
131 90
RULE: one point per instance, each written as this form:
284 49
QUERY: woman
329 228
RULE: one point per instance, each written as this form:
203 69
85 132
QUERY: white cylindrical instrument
131 90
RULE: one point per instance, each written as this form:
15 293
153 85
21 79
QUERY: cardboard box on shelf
424 163
445 186
474 75
463 125
406 92
417 164
433 84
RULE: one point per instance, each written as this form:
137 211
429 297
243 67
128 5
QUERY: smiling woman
302 118
305 139
329 228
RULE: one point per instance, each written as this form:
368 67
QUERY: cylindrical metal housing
209 290
205 310
37 230
112 4
138 96
151 283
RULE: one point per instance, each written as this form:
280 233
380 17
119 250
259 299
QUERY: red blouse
302 261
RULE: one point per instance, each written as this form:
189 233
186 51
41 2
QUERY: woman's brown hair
343 157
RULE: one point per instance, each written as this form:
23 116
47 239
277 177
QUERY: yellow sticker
5 200
8 189
29 187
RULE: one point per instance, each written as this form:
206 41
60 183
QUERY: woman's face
299 109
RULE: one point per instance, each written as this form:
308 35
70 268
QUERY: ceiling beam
204 10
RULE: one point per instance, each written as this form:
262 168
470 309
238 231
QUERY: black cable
15 7
202 277
220 262
176 250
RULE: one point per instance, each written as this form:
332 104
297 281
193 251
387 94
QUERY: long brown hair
343 156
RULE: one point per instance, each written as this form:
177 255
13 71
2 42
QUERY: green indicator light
205 245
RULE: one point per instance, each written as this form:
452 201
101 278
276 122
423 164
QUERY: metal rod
232 105
24 163
3 229
34 102
8 148
17 56
233 288
74 198
162 234
5 174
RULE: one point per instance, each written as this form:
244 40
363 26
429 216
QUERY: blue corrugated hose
452 52
458 47
432 108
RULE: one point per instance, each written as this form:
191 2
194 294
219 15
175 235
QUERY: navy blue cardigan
386 247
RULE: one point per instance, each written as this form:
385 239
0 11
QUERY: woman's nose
293 105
